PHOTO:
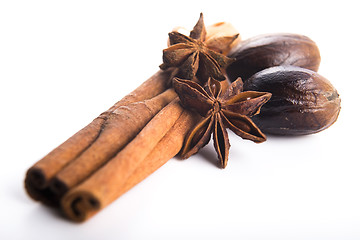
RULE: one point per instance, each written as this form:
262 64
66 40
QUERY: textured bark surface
120 127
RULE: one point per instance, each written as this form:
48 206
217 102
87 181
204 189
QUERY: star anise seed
192 57
232 109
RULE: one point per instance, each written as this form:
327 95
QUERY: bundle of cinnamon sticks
116 150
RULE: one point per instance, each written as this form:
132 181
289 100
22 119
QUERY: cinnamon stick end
80 205
36 177
36 185
58 186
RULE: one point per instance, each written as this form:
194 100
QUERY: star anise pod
232 109
193 57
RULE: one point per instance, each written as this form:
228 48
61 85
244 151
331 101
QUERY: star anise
193 57
232 109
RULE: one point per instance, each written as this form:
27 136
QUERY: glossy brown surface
302 102
264 51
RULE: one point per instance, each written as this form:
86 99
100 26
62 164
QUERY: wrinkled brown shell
264 51
302 102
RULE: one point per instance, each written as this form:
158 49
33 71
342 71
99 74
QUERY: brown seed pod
264 51
302 102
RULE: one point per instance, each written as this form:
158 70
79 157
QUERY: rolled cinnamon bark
168 147
38 176
152 87
121 126
160 140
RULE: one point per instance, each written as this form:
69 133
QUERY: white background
64 62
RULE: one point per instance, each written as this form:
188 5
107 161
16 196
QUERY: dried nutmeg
302 102
264 51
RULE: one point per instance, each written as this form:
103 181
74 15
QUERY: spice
95 166
220 37
193 58
122 125
150 148
168 147
151 125
264 51
302 102
40 175
231 110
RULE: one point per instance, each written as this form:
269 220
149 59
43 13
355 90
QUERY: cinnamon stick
159 141
39 175
121 126
168 147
